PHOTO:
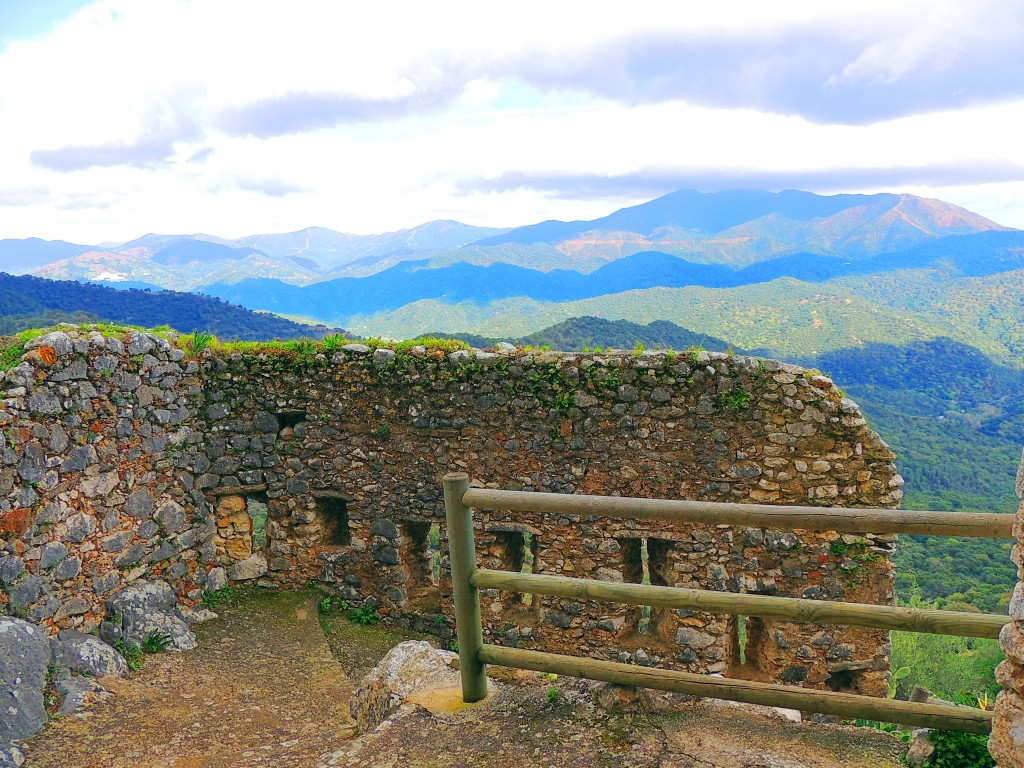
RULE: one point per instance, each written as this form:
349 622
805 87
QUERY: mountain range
736 228
792 272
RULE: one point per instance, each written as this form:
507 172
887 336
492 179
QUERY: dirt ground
263 690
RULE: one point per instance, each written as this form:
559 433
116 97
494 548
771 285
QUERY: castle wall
343 453
91 492
1007 741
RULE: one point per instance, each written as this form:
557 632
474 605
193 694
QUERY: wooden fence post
468 626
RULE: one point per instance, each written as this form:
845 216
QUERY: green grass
218 598
359 647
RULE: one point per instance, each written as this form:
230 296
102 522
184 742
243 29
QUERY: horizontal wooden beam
846 705
788 608
850 520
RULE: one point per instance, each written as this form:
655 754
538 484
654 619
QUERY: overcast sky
235 117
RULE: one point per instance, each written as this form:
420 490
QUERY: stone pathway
260 690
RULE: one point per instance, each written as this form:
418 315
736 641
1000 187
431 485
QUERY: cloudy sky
232 117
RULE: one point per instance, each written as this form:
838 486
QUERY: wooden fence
467 580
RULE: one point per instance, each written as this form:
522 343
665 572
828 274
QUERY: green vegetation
197 342
213 599
156 642
955 668
132 653
955 749
359 647
365 615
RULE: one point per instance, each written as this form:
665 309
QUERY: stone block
140 504
238 548
251 568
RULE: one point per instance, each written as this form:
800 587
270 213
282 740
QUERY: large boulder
88 655
412 666
142 610
24 657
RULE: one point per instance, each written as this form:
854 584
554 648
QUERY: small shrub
157 642
10 356
382 433
839 548
738 398
198 342
324 606
212 599
366 615
552 694
955 749
132 653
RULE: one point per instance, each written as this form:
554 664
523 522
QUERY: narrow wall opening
332 514
646 561
288 422
658 575
241 525
845 681
634 567
748 636
257 505
518 552
417 555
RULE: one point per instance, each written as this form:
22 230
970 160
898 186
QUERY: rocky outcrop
408 668
24 657
86 655
144 610
1007 741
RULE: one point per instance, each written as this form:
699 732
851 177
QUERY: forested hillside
579 333
29 302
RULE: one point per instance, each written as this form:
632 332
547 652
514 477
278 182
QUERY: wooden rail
467 580
983 525
791 609
805 699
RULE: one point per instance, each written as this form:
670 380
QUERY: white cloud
146 115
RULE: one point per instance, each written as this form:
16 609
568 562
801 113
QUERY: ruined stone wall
343 454
91 497
359 442
1007 741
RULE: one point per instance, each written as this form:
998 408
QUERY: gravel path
260 690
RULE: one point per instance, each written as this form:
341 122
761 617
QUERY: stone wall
91 496
1007 741
178 463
